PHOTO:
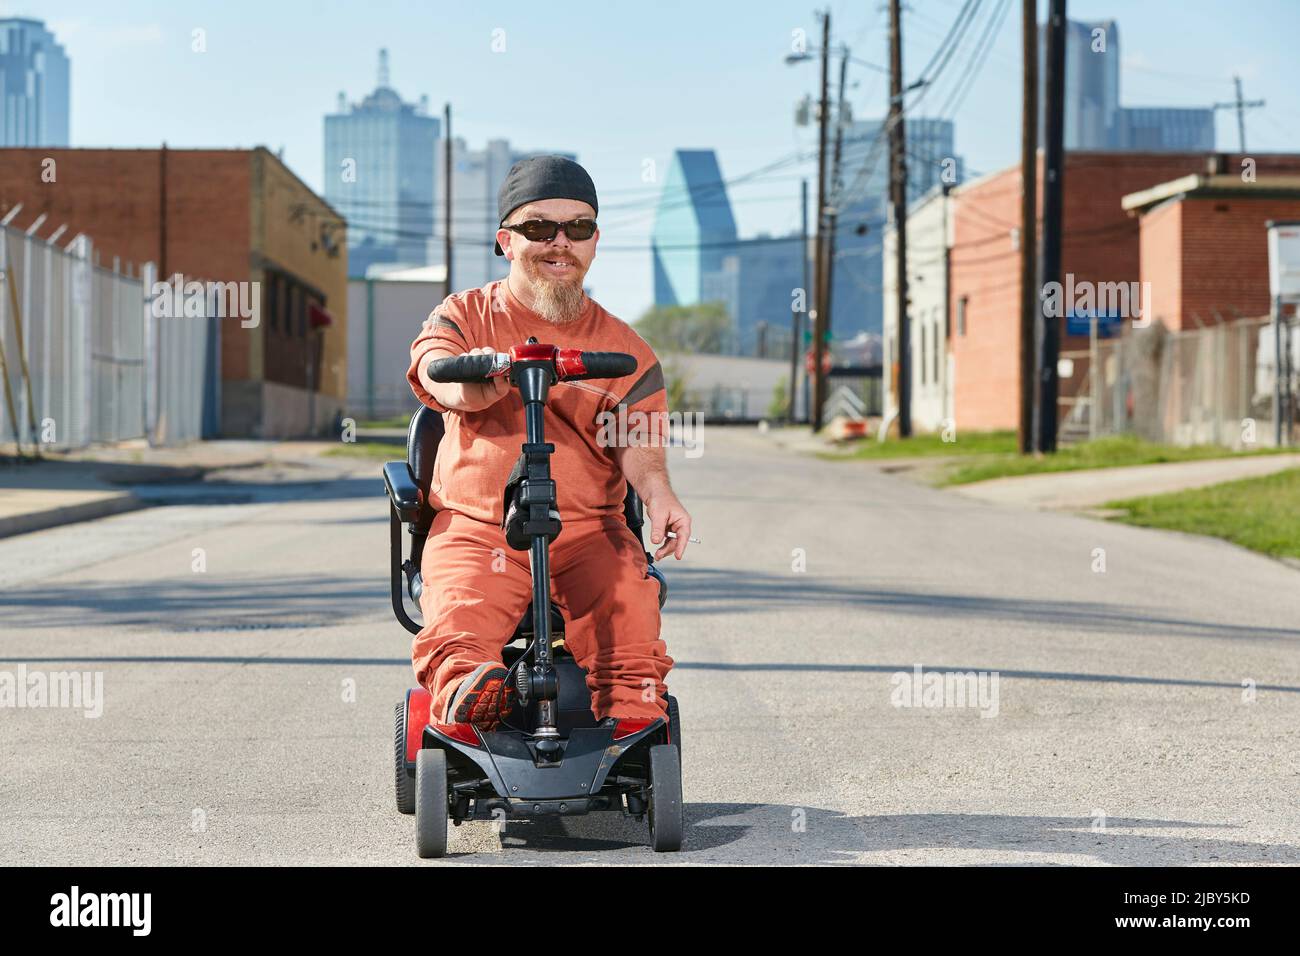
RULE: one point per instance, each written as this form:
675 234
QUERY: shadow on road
680 666
787 834
694 590
198 602
953 668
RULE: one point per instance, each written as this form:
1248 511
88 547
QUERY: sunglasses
544 230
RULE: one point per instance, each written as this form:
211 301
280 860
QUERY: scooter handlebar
570 365
466 368
603 365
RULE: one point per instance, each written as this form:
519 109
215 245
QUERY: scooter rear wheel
431 804
667 823
404 782
675 724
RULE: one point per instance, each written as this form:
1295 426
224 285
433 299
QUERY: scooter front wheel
667 822
431 804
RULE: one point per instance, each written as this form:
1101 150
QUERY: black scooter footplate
589 755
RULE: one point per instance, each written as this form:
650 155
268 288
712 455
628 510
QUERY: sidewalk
95 483
795 438
1091 488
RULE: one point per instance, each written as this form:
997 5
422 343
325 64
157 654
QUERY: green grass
374 449
968 443
396 421
1262 514
1111 452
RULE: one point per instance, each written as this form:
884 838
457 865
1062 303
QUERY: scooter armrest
402 490
652 572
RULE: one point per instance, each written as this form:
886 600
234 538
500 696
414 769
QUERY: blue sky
620 84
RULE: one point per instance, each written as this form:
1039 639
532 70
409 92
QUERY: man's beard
556 300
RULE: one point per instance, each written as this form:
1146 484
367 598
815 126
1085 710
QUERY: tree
777 407
693 329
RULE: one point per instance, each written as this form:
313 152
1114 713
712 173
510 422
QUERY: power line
938 61
975 65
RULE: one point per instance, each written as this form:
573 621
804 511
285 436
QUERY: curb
69 514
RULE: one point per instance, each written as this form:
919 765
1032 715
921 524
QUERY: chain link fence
1214 385
88 356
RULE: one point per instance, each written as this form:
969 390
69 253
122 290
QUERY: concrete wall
385 319
727 386
273 410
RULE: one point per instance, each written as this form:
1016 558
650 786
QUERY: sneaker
482 698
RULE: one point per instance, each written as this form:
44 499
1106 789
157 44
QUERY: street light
916 85
841 50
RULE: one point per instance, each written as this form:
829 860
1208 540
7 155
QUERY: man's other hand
667 514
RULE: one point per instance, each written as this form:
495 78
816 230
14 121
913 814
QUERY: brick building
215 216
1204 246
1101 243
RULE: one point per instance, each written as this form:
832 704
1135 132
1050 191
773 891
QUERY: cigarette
673 534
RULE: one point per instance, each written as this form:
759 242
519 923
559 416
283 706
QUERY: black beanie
543 177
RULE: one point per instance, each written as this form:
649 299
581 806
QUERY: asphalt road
247 706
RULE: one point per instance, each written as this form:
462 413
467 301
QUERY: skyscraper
757 282
33 85
1094 118
1092 111
379 175
693 229
1166 128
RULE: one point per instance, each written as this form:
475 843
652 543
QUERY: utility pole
819 311
1028 218
446 191
1053 193
832 222
898 200
796 325
1240 105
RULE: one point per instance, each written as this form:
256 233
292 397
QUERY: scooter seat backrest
422 438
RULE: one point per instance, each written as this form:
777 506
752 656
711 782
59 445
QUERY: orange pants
476 589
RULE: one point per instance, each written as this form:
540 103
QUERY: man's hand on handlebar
469 396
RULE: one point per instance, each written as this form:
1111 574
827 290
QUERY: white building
929 238
385 312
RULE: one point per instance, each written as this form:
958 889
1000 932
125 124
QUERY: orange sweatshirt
479 448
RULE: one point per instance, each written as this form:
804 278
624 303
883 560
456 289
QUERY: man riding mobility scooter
550 756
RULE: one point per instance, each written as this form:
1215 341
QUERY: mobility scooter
550 756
